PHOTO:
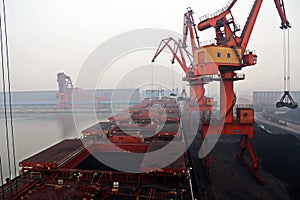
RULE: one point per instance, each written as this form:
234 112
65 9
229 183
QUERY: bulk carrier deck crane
219 62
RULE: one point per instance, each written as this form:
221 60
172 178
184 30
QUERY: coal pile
280 156
228 178
291 115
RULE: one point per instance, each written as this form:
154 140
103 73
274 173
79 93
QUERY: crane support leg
205 160
227 99
253 167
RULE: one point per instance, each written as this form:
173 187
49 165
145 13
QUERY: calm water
35 132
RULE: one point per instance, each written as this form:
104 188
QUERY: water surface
37 131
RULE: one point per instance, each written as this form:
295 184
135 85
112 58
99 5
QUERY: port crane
219 61
65 89
179 51
67 93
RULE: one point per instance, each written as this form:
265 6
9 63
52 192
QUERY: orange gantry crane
219 61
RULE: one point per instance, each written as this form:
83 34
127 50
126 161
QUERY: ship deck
55 155
78 168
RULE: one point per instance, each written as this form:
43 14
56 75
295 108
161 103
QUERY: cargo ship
112 160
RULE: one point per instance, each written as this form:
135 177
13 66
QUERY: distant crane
67 93
65 89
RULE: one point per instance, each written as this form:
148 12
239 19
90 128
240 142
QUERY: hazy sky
49 36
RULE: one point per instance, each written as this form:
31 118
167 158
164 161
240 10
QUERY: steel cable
1 177
4 101
288 62
284 63
4 47
9 93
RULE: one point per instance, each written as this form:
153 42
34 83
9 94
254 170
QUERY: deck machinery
219 61
69 170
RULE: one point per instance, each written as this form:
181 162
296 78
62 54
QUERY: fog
49 36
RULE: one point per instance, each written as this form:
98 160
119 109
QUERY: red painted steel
225 30
108 137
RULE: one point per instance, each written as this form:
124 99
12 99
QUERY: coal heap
280 156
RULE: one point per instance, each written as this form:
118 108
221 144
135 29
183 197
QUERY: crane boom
226 34
281 10
189 27
212 20
245 36
178 47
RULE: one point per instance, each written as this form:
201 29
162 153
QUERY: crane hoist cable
286 100
152 78
286 62
172 66
173 92
1 177
288 70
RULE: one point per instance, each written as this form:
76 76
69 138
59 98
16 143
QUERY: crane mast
189 26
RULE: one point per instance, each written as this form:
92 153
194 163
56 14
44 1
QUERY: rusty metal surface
54 154
99 127
76 165
89 186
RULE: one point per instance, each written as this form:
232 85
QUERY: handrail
207 16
